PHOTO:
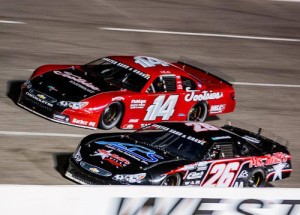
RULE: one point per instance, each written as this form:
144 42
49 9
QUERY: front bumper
44 108
82 176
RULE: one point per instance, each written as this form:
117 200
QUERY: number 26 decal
222 174
159 108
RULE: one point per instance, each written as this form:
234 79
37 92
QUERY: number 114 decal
159 108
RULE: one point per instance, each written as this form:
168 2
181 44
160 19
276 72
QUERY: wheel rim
172 180
255 180
197 113
110 114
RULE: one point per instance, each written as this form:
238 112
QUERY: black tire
198 112
111 116
172 180
257 178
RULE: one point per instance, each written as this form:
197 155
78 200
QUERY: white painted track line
287 0
265 85
11 22
201 34
17 133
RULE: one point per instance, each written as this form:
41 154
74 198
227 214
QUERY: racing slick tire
111 116
257 178
172 180
198 112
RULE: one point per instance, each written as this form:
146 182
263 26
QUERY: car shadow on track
13 89
212 118
61 162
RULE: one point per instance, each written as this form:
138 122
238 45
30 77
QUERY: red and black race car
127 91
187 154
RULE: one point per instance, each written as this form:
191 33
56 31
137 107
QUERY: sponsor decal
81 86
114 62
146 62
76 79
195 175
95 169
196 140
40 98
276 158
137 103
79 121
251 139
27 84
278 171
61 117
192 183
92 124
243 174
51 88
205 95
134 120
77 155
179 83
238 184
112 158
199 127
118 98
73 105
221 138
198 166
137 152
217 108
128 126
132 179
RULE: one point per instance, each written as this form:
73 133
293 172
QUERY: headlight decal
130 178
73 105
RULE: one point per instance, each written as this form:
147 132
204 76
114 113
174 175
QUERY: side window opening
163 84
188 83
246 149
222 151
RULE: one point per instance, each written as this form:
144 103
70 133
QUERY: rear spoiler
205 69
255 131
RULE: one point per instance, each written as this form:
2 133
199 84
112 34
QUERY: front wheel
198 112
111 116
172 180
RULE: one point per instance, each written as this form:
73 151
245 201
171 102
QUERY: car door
224 166
158 103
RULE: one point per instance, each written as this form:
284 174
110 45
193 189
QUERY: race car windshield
116 75
181 146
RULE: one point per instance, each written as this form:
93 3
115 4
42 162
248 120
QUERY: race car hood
120 157
71 84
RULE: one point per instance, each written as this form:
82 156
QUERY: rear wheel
172 180
257 178
198 112
111 116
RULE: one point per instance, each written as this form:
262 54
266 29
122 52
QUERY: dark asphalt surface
69 32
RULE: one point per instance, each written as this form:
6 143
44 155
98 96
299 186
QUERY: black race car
188 154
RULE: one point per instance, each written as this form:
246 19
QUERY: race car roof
149 65
195 129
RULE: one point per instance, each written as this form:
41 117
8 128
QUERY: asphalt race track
254 41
